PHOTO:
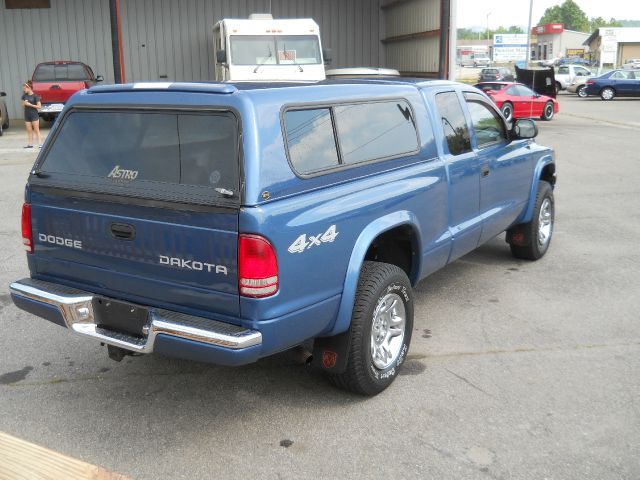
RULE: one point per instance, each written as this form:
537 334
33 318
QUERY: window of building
454 124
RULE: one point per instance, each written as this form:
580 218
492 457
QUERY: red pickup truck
56 81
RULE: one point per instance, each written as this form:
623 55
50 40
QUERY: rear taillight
589 82
257 267
27 237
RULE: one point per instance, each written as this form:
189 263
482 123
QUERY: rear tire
607 93
380 332
507 111
548 111
530 241
558 87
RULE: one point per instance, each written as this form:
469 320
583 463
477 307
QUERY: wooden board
24 460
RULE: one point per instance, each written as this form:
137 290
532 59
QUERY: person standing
31 104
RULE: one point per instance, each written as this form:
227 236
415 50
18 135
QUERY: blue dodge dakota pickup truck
225 223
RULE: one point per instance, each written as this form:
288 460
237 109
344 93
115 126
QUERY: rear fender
362 244
537 176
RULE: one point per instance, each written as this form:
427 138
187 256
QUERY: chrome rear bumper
76 309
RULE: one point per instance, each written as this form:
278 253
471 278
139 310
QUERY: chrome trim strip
76 308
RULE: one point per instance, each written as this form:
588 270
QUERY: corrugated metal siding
415 55
173 39
412 17
69 30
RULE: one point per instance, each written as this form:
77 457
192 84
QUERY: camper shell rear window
184 156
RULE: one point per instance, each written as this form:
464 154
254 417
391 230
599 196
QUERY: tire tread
373 276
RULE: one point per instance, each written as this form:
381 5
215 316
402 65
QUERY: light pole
488 28
488 42
528 58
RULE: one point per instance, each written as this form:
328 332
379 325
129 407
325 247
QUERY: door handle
54 87
484 172
122 231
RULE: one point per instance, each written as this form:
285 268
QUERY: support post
116 41
445 6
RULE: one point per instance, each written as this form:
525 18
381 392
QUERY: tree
468 34
600 22
569 14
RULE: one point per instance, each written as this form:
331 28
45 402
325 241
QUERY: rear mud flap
331 353
518 236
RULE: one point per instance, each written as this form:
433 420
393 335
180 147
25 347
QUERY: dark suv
496 74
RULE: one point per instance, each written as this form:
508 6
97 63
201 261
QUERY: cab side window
486 122
454 124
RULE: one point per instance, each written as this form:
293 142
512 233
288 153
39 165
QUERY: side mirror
2 94
327 56
99 78
221 56
536 95
524 128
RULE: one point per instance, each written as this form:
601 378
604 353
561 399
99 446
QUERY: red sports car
516 100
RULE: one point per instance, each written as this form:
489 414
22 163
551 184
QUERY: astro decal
63 242
193 265
121 174
302 243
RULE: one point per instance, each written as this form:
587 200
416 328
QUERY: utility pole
529 34
488 28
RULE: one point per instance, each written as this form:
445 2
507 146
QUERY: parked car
516 100
183 220
56 81
578 86
4 114
549 62
632 63
566 74
616 83
495 74
481 61
574 61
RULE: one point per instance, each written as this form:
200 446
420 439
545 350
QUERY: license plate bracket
120 316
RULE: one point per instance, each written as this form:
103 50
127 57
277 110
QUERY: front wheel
531 240
607 93
548 111
507 111
582 91
380 333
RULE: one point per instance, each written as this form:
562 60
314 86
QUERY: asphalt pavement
517 370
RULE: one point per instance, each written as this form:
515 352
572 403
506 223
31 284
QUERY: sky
516 12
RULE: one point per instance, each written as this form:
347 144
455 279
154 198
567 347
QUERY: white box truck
263 49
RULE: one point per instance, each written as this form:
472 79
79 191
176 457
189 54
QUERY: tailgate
57 92
149 255
141 206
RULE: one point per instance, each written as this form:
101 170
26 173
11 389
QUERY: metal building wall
69 30
412 36
165 39
172 39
